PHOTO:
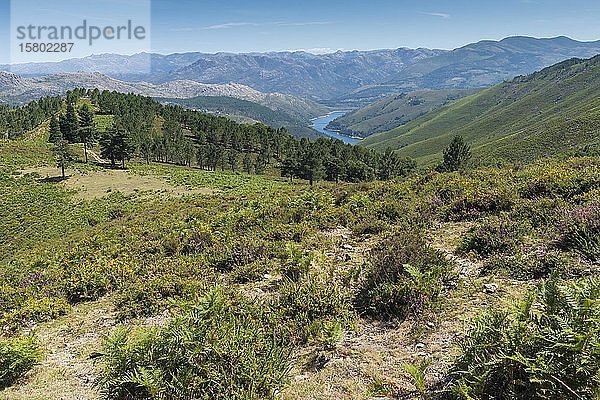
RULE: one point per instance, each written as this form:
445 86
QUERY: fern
545 348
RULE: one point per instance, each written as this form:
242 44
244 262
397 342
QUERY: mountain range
341 78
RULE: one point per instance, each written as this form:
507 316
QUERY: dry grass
96 183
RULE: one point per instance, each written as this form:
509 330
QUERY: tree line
15 121
171 134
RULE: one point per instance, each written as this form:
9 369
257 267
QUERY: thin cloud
437 14
229 25
302 23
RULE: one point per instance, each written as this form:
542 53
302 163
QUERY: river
320 123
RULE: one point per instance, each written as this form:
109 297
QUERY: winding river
320 123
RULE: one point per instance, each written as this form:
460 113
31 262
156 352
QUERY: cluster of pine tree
173 134
16 121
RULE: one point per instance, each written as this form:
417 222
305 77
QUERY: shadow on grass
53 179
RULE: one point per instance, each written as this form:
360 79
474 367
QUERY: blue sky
322 25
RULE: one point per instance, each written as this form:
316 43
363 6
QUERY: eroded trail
369 361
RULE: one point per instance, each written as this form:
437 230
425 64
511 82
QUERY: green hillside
244 110
552 111
394 111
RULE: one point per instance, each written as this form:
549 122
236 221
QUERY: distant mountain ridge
344 77
549 112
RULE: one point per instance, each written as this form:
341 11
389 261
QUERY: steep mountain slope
546 113
348 78
394 111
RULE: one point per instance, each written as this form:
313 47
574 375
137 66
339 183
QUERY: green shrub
403 277
540 212
481 192
149 296
368 226
37 310
315 309
579 230
255 271
188 241
221 348
85 281
535 266
563 179
17 356
494 236
296 263
546 348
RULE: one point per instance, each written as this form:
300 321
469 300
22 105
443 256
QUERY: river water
320 123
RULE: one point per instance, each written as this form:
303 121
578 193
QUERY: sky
324 26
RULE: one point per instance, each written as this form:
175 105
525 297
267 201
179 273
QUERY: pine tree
232 159
54 133
115 145
289 167
247 163
63 155
334 169
87 129
310 161
69 124
261 163
456 155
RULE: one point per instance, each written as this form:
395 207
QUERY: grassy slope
393 111
552 111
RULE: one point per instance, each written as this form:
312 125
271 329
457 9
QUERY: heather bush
533 266
403 277
493 236
579 231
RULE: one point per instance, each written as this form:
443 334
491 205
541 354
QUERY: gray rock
490 288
